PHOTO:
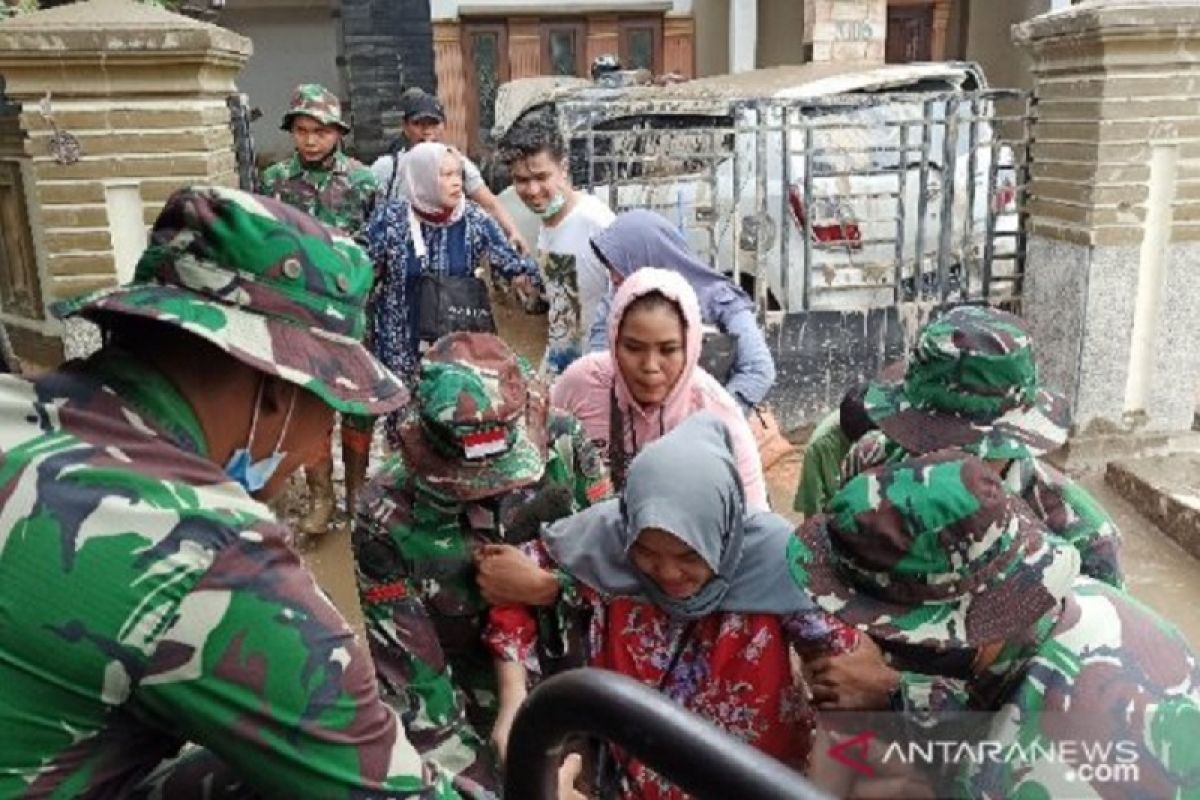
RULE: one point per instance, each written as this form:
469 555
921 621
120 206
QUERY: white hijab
422 170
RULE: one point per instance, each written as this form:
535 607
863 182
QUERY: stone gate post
1112 286
142 92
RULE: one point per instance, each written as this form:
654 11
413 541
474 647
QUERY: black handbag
448 304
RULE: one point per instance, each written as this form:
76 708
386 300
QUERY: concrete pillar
143 93
743 35
1113 273
845 31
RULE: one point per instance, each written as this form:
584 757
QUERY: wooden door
486 49
909 34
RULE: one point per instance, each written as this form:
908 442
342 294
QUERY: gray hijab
685 483
641 238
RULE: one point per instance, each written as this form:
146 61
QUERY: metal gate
850 218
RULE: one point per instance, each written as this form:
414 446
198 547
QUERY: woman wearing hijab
643 238
688 592
648 382
436 231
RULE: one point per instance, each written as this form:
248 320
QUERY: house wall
779 26
388 47
291 46
712 36
989 40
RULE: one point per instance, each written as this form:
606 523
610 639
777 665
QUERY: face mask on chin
254 475
554 206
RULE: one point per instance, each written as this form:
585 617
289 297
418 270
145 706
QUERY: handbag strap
610 769
418 238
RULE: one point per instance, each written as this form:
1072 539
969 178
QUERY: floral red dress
733 669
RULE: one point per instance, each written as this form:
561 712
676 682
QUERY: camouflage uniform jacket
1063 506
1109 682
148 601
341 193
424 614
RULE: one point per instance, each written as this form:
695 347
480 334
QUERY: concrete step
1166 489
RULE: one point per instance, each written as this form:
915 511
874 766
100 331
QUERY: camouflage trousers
448 704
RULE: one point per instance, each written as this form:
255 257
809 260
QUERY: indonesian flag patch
485 443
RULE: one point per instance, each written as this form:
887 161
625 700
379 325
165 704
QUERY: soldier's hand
860 680
568 773
506 576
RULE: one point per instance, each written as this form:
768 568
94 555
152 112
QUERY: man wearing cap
149 598
321 180
979 622
424 120
972 383
482 461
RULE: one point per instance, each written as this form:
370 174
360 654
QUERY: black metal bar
1024 175
735 201
785 230
923 197
700 759
714 192
809 211
901 176
969 222
949 186
762 214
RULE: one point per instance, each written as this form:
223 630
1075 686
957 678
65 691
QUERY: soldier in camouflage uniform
972 383
323 181
481 462
985 620
148 597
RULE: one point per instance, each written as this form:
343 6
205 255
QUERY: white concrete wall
291 46
450 9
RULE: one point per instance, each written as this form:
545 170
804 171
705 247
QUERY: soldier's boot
356 454
320 498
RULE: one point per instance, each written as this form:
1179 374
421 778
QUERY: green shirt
821 473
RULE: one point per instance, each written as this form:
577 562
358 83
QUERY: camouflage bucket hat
264 282
933 551
971 383
314 100
476 428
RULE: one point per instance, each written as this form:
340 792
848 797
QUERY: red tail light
839 232
1006 193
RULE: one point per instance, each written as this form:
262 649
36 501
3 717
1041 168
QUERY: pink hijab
587 387
422 173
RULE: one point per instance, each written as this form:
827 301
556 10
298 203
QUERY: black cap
421 105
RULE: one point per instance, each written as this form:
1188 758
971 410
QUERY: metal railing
680 746
841 201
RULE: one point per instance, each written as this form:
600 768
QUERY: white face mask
253 475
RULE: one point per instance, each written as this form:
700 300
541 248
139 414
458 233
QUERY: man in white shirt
576 281
424 120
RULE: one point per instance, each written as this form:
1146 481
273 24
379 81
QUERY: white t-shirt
576 280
